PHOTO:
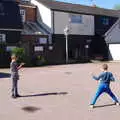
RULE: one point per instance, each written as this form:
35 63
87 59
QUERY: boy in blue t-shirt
104 86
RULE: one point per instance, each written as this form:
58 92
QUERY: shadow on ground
31 109
4 75
45 94
107 105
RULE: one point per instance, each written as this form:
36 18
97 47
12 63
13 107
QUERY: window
22 13
2 38
25 0
74 18
105 21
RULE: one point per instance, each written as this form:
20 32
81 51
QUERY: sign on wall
43 40
38 48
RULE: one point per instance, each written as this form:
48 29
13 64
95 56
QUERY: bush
20 53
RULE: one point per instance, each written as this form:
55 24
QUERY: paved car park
61 92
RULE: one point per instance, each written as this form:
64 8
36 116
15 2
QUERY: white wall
62 19
114 35
114 51
43 13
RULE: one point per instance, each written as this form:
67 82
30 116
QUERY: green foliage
117 7
20 53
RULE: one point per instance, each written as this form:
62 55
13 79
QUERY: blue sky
102 3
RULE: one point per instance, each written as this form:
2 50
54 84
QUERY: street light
66 32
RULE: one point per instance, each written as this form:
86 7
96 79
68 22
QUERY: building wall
30 13
113 55
113 40
62 19
113 36
101 28
10 15
43 14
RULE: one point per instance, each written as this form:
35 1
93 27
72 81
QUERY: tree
117 7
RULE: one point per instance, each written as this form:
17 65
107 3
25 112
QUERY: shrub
20 53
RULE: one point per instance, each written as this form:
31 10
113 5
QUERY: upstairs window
74 18
22 13
2 38
105 21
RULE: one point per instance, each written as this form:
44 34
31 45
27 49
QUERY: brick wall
30 13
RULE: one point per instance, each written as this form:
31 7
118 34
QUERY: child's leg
111 94
98 93
16 87
13 87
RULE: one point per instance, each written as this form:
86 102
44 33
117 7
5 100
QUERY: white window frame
2 38
23 15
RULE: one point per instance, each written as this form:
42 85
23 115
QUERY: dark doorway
98 48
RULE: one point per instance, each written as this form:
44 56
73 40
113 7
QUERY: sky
101 3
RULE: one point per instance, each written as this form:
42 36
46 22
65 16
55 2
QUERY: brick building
34 39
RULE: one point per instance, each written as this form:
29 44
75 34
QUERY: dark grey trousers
14 87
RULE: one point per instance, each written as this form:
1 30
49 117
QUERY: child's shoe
91 106
117 103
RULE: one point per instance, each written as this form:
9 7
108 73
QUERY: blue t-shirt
105 77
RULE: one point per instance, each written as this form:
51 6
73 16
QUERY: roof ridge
76 4
78 8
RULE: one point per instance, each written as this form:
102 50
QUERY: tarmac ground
61 92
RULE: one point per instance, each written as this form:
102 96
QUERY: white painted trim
27 6
11 29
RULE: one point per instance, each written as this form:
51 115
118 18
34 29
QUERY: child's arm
97 78
20 66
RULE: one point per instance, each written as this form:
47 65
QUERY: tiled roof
32 28
77 8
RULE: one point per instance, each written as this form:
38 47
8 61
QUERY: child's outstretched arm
20 66
97 78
